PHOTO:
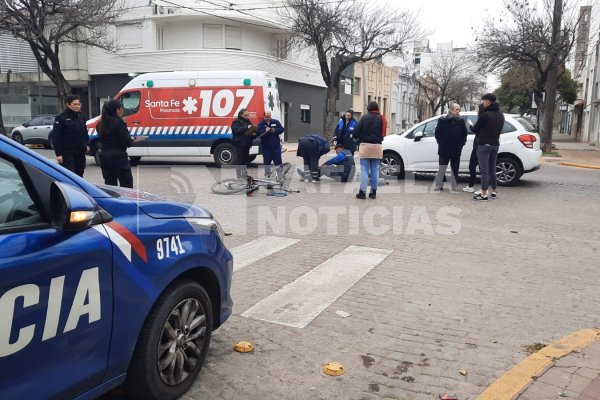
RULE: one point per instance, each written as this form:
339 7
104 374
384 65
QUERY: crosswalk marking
299 302
253 251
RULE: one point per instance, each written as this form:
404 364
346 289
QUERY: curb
520 377
588 166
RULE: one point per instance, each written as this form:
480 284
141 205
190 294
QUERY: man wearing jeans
487 134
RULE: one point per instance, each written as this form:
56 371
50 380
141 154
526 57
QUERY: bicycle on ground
278 179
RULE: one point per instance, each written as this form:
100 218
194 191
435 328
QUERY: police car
101 286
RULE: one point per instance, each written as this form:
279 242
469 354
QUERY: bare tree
346 32
539 37
453 77
46 25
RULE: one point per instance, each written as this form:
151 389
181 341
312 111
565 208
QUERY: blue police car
101 286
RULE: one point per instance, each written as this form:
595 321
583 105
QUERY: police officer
70 137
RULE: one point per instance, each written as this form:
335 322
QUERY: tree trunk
63 88
547 127
548 118
330 116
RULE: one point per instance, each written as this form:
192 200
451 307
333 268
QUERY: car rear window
526 124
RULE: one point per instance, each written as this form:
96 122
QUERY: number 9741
169 247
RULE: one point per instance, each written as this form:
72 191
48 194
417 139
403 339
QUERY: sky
456 20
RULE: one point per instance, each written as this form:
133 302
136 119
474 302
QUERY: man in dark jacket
311 148
487 134
269 130
341 167
243 135
344 133
451 136
70 136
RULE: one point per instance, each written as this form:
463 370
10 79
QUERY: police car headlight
207 224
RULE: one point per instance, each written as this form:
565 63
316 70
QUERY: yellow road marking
570 164
513 382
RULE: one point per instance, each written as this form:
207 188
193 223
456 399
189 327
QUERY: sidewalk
574 154
568 368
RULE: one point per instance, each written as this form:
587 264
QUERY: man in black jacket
70 136
244 133
487 134
451 136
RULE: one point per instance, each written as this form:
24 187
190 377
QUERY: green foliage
514 93
567 87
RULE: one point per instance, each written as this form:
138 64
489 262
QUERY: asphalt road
404 291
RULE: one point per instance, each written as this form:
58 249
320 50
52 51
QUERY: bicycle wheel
279 173
229 186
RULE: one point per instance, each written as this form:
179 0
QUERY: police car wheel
173 344
225 154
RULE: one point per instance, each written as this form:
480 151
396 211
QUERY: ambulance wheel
225 154
172 345
134 160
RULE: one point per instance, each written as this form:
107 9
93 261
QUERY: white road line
299 302
264 246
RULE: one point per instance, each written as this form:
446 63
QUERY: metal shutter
213 36
233 37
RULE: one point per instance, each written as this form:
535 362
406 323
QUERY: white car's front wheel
392 166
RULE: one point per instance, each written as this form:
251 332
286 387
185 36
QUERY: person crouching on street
451 136
311 148
370 132
341 167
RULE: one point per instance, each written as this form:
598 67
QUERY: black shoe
373 194
361 195
438 189
480 197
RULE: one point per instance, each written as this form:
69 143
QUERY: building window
213 36
305 113
346 84
282 46
356 89
233 37
160 34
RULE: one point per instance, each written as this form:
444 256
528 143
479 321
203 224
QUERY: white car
416 149
36 131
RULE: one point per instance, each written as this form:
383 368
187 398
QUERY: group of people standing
366 135
451 136
71 141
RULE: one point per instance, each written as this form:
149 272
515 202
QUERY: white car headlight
207 224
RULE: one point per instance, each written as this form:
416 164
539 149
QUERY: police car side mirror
72 209
418 136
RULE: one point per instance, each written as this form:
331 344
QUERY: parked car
102 285
416 149
36 131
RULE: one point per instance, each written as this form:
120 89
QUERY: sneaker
477 192
361 195
494 195
479 197
469 189
438 189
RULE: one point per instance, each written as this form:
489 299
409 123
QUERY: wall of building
376 80
298 96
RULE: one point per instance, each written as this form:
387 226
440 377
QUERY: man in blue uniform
269 130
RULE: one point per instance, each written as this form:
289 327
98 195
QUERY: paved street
449 284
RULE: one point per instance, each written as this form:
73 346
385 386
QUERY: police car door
55 294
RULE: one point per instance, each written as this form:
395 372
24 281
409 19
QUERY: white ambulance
189 113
